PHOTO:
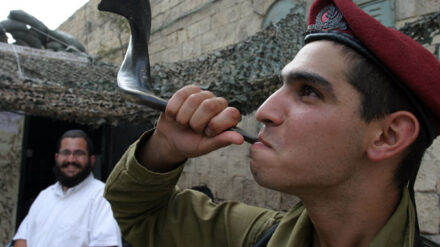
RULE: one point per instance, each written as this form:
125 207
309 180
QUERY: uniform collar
397 232
400 228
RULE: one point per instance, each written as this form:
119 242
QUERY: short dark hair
380 96
77 133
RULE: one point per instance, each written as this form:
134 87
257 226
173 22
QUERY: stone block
193 5
227 3
247 27
262 6
163 6
198 28
192 49
156 46
428 176
427 6
430 48
210 42
171 40
436 39
4 148
288 201
182 36
428 212
177 11
156 9
156 57
197 166
173 54
253 194
183 182
189 167
238 167
271 199
405 9
432 152
219 19
166 5
246 9
157 22
250 192
228 188
7 137
410 8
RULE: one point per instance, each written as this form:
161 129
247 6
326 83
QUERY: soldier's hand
194 123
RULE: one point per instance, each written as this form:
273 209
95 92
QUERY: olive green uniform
152 211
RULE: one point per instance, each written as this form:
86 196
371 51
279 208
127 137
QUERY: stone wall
11 135
427 189
181 29
427 185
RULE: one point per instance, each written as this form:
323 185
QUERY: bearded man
73 211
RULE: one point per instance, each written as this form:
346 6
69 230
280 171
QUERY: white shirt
79 217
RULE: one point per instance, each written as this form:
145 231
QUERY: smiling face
313 135
73 163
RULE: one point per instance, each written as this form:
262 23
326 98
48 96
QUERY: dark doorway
39 147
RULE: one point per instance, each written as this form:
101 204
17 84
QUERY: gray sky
51 12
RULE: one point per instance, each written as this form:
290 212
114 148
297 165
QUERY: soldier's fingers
226 119
191 104
207 110
176 101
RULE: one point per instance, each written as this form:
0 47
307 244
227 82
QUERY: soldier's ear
393 135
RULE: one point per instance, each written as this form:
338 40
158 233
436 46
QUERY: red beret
415 69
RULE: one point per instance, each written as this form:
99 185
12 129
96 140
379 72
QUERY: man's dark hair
380 96
76 133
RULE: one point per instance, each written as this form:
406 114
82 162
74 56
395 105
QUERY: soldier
345 133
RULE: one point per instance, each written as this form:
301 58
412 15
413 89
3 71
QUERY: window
278 11
381 10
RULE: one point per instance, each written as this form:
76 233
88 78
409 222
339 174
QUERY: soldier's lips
261 143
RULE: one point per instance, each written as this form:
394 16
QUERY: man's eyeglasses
76 153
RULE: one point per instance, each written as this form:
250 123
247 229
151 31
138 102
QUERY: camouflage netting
423 30
86 94
245 74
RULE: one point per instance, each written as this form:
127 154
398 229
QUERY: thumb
223 139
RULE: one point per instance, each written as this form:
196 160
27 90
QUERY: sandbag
20 15
66 39
3 37
28 38
21 43
12 25
41 36
37 26
55 46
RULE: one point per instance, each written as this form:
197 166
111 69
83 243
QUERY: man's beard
73 180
